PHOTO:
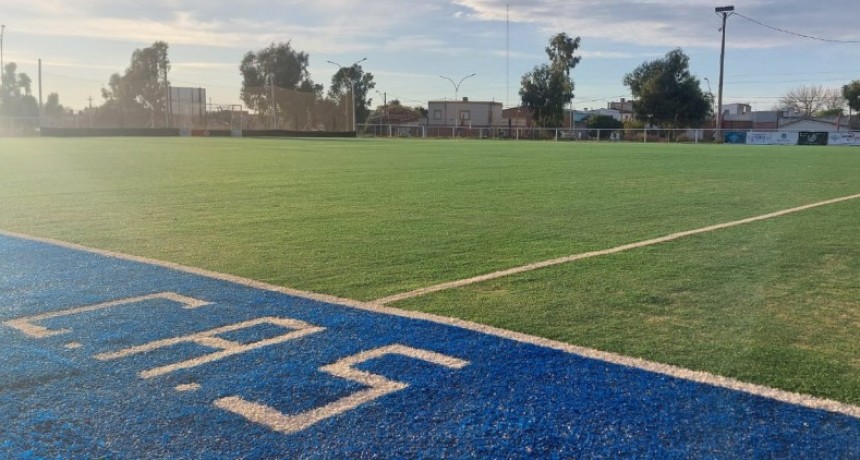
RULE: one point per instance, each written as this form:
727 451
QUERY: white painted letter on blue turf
209 339
344 368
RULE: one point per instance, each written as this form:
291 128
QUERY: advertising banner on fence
812 138
844 139
735 137
770 138
755 138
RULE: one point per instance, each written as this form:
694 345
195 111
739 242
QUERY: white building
465 113
812 125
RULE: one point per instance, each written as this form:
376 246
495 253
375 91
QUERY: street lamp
457 85
351 88
725 12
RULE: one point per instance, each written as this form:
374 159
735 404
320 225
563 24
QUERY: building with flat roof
464 113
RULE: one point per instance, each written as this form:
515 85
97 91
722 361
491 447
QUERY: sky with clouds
409 44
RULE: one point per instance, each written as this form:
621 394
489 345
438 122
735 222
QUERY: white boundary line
585 255
811 402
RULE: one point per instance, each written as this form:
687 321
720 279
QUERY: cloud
326 25
686 23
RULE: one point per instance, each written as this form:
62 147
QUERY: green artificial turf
366 219
776 303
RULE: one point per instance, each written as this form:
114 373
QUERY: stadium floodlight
351 88
457 85
725 12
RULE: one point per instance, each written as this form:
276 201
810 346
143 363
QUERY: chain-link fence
558 134
19 126
187 110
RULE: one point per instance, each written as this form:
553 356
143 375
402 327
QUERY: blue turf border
513 400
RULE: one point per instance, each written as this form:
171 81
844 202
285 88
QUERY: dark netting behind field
189 109
292 110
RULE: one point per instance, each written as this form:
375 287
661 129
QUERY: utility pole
725 12
351 88
167 102
272 103
2 66
40 93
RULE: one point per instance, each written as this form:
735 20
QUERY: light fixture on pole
725 12
457 85
351 88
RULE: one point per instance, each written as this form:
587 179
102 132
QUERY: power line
830 40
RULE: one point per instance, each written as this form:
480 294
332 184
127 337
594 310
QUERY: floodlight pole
456 91
725 12
457 85
351 89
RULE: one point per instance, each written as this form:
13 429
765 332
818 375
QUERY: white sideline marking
586 255
27 326
344 368
209 339
811 402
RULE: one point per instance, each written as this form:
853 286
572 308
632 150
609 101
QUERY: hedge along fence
168 132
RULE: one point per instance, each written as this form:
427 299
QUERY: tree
397 113
811 101
53 108
348 79
147 77
667 93
278 66
561 52
16 99
120 106
142 89
548 87
604 124
851 93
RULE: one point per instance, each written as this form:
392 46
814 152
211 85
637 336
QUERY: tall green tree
147 77
548 87
603 125
349 79
142 89
851 93
16 99
53 108
667 93
272 69
561 51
